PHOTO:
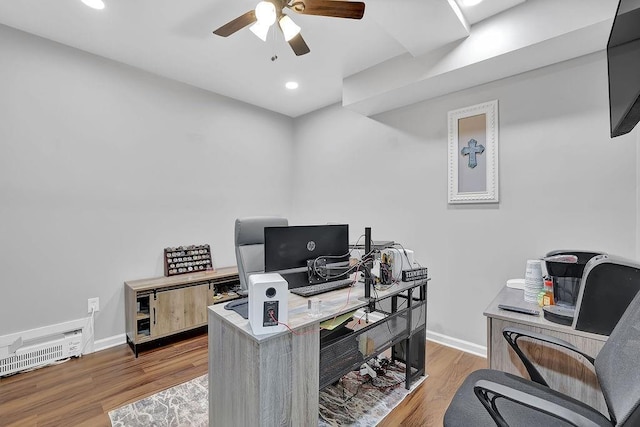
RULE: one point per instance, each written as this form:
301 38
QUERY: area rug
355 400
362 401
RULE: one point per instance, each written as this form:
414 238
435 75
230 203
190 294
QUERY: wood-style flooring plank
446 368
82 391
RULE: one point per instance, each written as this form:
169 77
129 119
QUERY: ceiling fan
267 12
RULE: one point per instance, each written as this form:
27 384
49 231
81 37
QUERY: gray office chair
489 397
249 241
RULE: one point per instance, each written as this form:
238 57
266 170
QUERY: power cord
289 328
385 364
344 389
325 275
91 330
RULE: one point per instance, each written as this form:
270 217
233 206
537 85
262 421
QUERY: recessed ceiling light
95 4
291 85
470 2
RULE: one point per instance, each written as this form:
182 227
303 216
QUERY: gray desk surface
515 297
333 303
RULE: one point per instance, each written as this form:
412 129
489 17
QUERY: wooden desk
268 380
563 370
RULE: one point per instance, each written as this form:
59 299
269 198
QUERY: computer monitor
289 248
623 60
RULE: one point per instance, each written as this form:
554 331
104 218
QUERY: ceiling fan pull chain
274 46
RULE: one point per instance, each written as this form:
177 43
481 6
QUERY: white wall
102 166
563 184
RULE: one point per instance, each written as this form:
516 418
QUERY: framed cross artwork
473 154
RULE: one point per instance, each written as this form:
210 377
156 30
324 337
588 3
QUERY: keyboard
320 288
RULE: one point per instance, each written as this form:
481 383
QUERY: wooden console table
163 306
274 379
564 371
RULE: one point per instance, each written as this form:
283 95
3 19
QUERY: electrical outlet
93 304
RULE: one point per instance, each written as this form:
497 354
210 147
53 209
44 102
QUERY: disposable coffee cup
533 270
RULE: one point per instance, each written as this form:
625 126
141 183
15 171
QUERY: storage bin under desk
352 350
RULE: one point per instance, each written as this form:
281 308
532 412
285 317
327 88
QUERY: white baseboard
109 342
466 346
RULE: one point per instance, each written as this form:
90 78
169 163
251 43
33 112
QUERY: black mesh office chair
489 397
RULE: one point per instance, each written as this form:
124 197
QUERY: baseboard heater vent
41 352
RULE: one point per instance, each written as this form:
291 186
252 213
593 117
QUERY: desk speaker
268 298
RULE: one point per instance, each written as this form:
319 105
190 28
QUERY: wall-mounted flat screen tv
623 57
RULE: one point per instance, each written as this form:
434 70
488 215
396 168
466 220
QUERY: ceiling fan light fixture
94 4
266 13
288 27
260 30
291 85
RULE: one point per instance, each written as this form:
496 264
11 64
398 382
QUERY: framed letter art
473 154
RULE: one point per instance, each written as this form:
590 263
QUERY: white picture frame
473 154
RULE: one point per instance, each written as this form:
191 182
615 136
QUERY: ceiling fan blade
298 45
332 8
237 24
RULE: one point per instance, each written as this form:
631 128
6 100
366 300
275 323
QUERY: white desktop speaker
268 299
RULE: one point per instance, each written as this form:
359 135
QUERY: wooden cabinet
163 306
565 371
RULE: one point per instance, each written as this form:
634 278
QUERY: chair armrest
512 335
484 388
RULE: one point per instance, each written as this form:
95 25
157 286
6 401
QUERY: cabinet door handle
154 315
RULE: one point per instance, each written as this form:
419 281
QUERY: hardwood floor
446 368
82 391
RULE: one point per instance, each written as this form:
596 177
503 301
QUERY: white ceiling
173 38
